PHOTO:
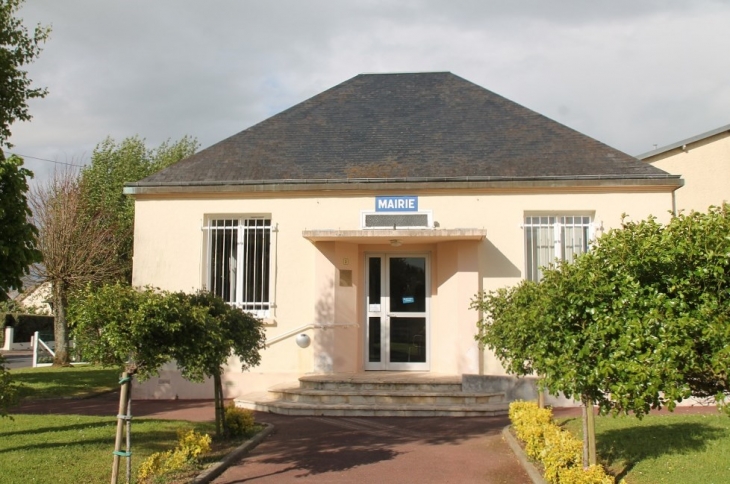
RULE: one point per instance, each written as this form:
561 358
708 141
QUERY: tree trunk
584 415
123 403
589 433
591 424
220 420
60 325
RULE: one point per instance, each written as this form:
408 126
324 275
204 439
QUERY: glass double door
397 304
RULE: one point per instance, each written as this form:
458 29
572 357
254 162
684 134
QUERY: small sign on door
409 300
374 308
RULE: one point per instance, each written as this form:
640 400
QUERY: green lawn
77 381
77 449
670 448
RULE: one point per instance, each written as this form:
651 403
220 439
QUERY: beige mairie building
367 218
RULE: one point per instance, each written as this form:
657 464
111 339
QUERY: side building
703 161
368 216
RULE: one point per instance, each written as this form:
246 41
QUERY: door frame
385 314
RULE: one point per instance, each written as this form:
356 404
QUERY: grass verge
73 448
69 449
75 381
666 448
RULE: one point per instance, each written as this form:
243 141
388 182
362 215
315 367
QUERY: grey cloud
628 73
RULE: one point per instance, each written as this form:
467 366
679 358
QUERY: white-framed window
550 237
238 261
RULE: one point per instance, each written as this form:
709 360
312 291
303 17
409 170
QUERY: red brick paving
380 450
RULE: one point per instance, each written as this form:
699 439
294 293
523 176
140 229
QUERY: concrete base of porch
378 394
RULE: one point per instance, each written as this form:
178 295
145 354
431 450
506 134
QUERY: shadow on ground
353 442
623 448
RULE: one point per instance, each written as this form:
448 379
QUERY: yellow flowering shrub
529 423
591 475
560 453
239 421
190 446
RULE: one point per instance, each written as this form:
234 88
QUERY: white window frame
555 221
262 302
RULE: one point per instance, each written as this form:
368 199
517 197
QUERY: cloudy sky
631 74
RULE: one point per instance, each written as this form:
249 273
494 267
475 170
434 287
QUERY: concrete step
385 397
372 410
386 382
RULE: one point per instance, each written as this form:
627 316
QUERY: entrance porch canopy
393 237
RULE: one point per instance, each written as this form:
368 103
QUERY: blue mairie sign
398 203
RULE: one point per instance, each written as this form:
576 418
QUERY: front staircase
378 394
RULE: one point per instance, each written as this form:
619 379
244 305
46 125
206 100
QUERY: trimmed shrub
530 423
239 421
559 452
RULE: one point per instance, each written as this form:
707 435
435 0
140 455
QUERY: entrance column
454 324
336 341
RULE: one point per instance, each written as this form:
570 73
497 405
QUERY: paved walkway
380 450
343 450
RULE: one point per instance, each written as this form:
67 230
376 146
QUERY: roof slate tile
382 126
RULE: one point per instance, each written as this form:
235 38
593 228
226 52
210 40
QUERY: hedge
559 452
27 324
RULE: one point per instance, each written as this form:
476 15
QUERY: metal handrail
300 329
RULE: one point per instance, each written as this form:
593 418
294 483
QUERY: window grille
239 253
554 237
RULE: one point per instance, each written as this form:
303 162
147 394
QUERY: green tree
208 342
140 330
639 322
17 48
8 390
18 236
118 325
114 164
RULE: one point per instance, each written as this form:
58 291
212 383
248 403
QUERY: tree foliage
18 236
639 322
77 245
118 325
114 164
8 389
142 329
18 47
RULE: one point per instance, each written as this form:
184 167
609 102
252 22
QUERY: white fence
43 350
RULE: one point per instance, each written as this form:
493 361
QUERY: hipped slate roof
427 126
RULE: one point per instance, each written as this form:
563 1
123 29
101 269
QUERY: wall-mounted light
303 340
396 243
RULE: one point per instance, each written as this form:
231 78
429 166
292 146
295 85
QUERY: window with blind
238 262
551 237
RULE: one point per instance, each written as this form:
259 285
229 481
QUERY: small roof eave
684 142
388 236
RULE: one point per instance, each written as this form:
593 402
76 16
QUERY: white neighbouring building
368 216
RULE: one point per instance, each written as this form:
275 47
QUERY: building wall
705 167
169 253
